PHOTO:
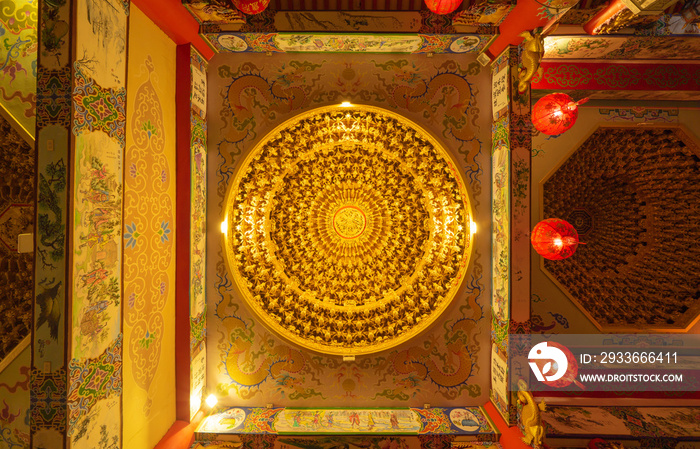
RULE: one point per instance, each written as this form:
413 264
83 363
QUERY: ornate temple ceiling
17 192
634 197
348 230
667 40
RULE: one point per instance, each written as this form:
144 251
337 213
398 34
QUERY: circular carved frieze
348 230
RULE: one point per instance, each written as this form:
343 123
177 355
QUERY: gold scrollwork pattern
348 230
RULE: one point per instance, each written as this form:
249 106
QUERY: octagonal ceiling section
633 194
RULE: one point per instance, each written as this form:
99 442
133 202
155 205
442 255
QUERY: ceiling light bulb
224 226
195 402
346 104
211 401
472 227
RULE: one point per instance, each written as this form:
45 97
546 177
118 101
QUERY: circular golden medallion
348 230
349 222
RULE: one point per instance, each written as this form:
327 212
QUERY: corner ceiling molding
176 22
636 192
348 230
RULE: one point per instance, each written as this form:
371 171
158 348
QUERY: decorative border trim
345 43
617 76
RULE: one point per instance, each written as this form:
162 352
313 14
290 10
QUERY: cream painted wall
252 93
18 23
149 236
14 397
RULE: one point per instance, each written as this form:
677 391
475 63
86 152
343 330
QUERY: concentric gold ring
348 230
349 222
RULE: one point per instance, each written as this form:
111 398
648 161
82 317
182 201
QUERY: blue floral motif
131 235
164 231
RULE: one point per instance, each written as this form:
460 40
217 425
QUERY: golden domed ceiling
348 230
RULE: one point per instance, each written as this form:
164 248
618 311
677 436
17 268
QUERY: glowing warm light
554 239
472 227
224 226
211 401
346 104
555 113
195 402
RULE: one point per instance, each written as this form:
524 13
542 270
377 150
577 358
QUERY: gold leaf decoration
348 230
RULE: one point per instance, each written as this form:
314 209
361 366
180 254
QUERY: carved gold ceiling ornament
348 230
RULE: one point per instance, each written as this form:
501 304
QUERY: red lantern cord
442 6
554 239
555 113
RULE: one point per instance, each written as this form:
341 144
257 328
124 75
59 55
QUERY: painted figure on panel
317 420
354 419
50 308
394 420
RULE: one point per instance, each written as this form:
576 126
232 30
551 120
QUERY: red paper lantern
554 239
442 6
555 113
251 7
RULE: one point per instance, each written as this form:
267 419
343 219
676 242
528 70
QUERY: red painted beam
563 75
175 21
182 224
668 396
613 8
524 17
510 436
181 434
